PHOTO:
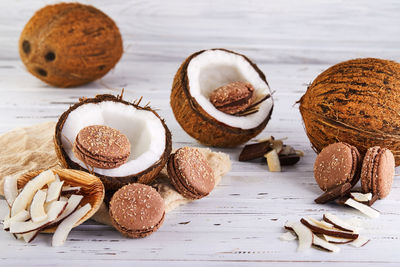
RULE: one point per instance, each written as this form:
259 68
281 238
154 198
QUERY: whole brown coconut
356 102
70 44
112 183
201 125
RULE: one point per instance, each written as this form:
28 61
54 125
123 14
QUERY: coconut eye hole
50 56
41 72
26 47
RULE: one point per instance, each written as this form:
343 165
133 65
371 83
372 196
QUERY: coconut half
148 134
197 77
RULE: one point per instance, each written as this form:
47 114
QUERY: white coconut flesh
144 130
215 68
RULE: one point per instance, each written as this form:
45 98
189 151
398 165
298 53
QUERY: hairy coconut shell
197 122
113 183
92 189
70 44
356 102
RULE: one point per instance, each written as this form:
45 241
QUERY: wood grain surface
241 221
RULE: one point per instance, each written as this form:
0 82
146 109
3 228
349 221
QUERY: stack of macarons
340 163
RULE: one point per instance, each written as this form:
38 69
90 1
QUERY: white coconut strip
28 237
72 204
339 223
370 212
25 197
288 236
319 242
67 224
57 207
10 189
54 190
36 208
63 198
21 216
273 162
68 188
360 241
304 234
321 224
360 197
337 240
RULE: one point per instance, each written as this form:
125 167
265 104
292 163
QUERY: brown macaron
232 98
377 171
102 147
336 164
190 173
137 210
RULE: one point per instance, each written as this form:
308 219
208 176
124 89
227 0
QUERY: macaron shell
176 181
194 171
356 168
137 234
383 173
334 165
137 208
367 169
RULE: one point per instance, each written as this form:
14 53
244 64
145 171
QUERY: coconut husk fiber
32 148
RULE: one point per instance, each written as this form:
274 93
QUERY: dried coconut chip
36 208
339 223
288 236
67 224
273 162
54 190
10 189
360 197
72 205
319 242
360 242
337 240
304 235
370 212
21 216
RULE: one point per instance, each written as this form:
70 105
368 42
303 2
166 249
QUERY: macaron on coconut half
139 140
221 98
137 210
377 171
336 164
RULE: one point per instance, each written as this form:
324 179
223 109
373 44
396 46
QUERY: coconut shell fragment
70 44
356 102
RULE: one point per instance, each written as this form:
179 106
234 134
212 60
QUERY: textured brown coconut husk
198 123
70 44
113 183
356 102
92 189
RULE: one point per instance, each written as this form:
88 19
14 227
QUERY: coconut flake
26 195
360 197
67 224
21 216
54 190
55 210
72 205
143 128
10 189
339 223
28 237
360 242
303 233
273 162
370 212
319 242
337 240
215 68
288 236
37 207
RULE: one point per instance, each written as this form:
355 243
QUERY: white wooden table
240 222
